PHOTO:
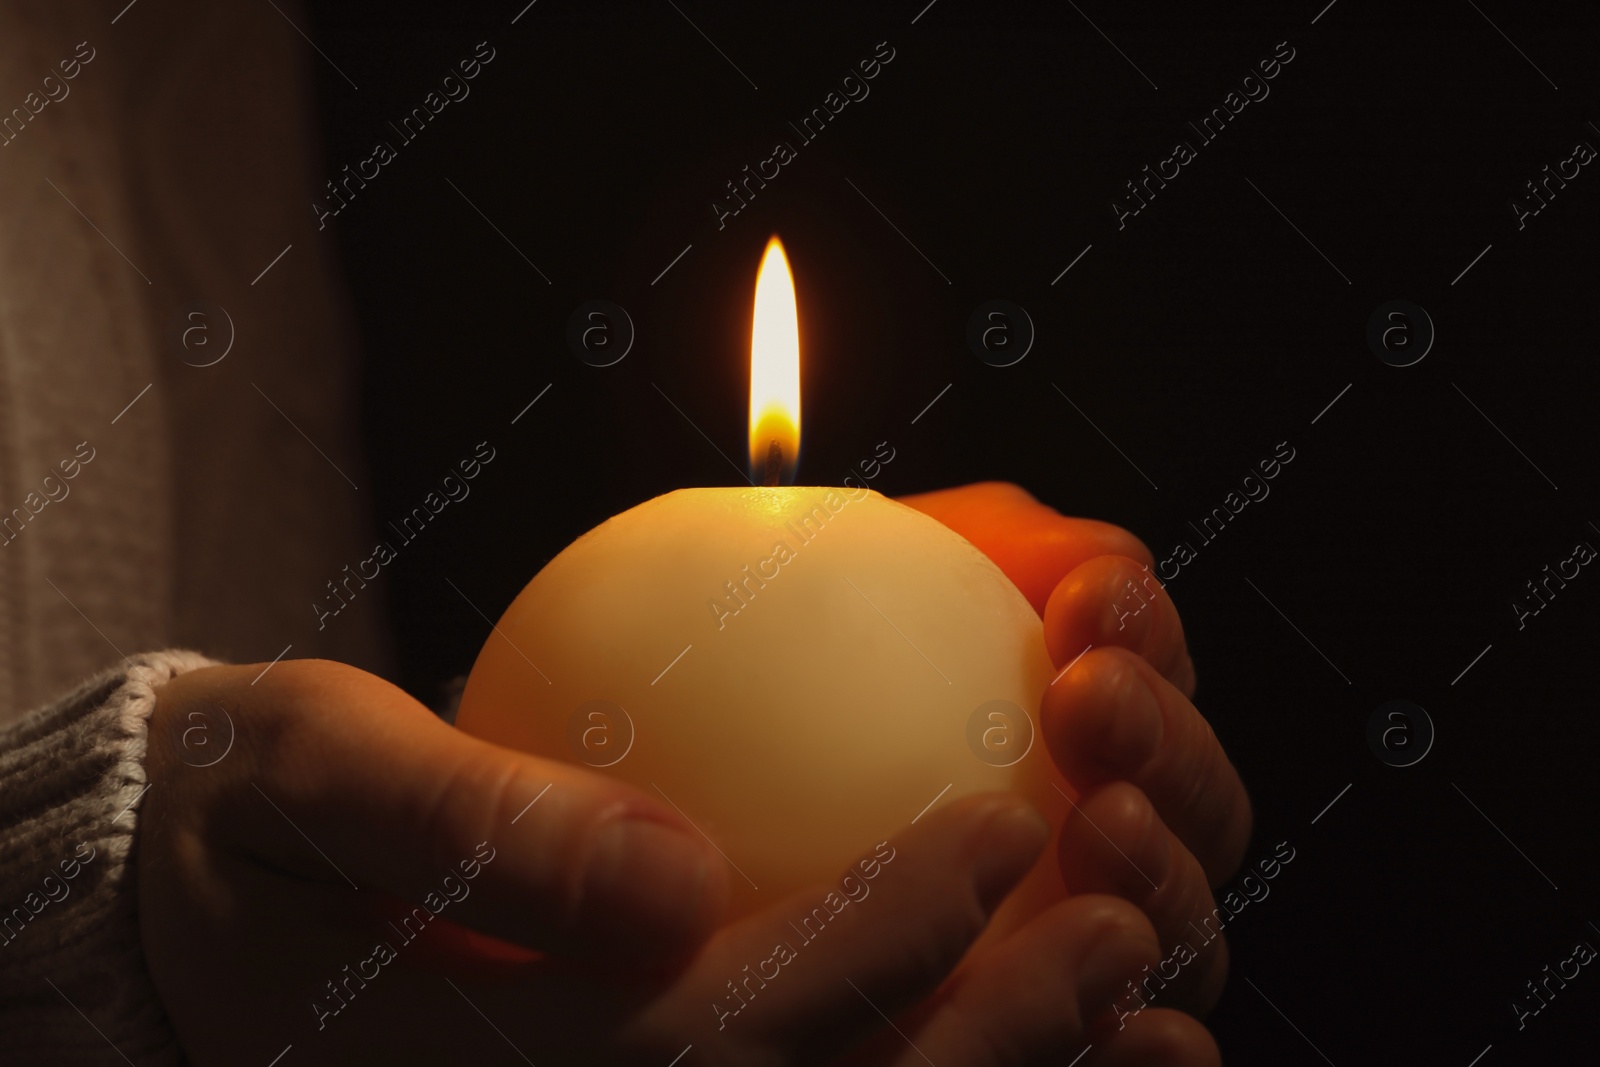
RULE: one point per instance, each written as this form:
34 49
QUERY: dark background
1197 338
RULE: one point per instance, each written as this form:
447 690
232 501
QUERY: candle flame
774 372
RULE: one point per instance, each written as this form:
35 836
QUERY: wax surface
864 657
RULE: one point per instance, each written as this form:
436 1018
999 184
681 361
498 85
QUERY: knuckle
1194 788
1231 837
1189 769
1210 795
464 801
1005 491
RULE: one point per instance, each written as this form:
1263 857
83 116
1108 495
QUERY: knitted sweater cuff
74 988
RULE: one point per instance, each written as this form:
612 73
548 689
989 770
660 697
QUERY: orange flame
775 367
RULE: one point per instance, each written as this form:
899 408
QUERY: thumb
536 852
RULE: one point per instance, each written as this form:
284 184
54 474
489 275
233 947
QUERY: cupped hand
354 881
1162 818
299 817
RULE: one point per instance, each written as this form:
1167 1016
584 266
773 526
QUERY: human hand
250 863
1162 818
260 942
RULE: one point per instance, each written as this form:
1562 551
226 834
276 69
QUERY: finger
358 783
1113 601
1113 716
1033 544
1157 1036
1031 998
1114 842
816 972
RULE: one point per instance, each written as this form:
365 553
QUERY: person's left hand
1163 817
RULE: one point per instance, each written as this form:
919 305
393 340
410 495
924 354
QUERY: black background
1196 338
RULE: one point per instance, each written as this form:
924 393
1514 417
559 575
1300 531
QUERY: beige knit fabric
176 167
73 985
206 505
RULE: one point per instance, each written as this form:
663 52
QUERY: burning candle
800 670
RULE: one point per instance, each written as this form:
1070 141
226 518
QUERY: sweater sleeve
74 988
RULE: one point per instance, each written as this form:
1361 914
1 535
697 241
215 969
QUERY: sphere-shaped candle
801 671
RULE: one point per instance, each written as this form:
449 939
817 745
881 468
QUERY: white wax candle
800 670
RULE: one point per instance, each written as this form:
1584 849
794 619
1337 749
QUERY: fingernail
1118 956
1134 733
1011 840
646 877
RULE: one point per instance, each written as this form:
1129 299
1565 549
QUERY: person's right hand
584 934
